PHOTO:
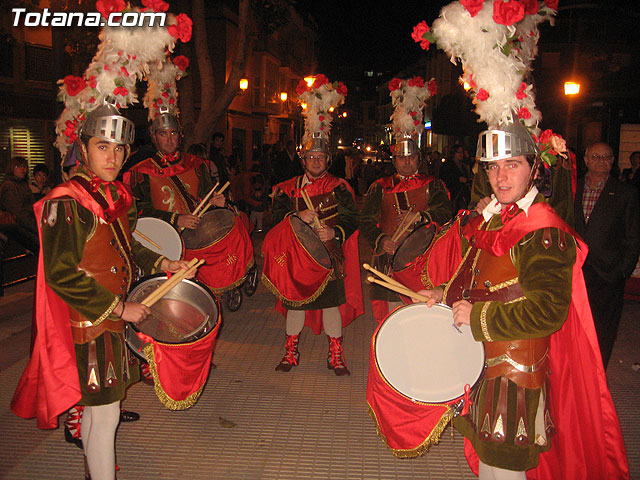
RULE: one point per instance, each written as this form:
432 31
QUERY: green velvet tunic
439 211
62 251
346 224
545 276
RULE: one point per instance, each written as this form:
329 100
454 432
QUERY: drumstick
309 203
402 291
204 210
163 289
386 278
143 236
205 199
404 225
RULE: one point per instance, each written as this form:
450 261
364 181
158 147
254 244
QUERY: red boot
72 425
291 354
335 358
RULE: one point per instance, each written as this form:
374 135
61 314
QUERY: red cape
50 383
403 185
187 162
354 306
588 443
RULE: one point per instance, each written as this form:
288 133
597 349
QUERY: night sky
375 35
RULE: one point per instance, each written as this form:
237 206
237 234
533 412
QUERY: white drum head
421 354
159 236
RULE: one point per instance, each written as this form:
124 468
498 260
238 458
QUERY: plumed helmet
165 121
506 141
405 146
317 143
105 122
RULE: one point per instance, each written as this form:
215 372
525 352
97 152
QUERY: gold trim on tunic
502 285
483 321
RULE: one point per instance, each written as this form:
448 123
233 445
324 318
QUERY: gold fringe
272 288
235 284
432 439
165 399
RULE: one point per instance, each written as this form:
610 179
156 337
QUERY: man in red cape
542 405
87 263
334 298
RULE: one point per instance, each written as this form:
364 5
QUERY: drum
297 265
177 339
421 367
409 260
186 313
224 243
159 236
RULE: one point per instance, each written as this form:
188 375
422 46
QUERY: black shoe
71 439
128 416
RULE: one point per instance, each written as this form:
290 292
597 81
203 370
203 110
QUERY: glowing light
571 88
331 109
284 96
344 114
368 149
340 141
466 86
244 84
310 79
304 106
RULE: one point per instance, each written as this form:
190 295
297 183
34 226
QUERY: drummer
389 200
170 184
516 288
88 262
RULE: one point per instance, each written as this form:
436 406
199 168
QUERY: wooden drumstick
309 203
163 289
204 210
205 199
404 226
386 278
402 291
143 236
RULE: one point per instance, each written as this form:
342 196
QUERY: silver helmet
316 143
165 121
506 141
105 122
405 147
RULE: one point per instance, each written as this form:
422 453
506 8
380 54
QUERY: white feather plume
317 117
408 102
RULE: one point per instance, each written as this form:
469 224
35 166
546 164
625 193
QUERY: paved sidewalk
305 424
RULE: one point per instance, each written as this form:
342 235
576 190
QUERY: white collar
495 207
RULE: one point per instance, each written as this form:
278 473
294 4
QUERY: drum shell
189 291
213 227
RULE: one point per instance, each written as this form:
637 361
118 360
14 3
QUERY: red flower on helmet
432 86
418 34
74 84
156 5
520 94
320 81
524 113
507 13
482 95
530 7
342 89
416 82
181 62
121 91
92 81
124 71
551 4
182 29
472 6
302 87
106 7
395 84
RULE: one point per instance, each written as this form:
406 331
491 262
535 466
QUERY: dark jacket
613 231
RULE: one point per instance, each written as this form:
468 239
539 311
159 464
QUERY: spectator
632 175
289 164
217 161
258 202
606 216
457 176
17 199
40 184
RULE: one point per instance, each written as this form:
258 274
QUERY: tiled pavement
307 424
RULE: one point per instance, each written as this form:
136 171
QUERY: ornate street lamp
571 88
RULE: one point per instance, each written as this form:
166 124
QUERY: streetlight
571 88
243 84
303 106
310 79
344 115
284 96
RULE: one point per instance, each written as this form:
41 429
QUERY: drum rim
390 385
330 268
421 224
215 209
160 221
192 280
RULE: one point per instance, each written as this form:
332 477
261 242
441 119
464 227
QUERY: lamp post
243 84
